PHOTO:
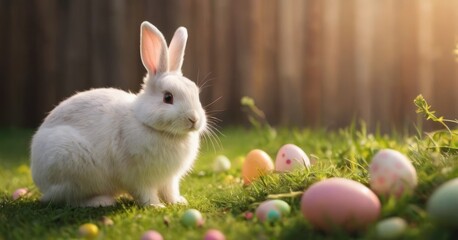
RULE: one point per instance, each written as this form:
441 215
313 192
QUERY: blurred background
308 63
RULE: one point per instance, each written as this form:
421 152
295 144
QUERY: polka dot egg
392 173
291 157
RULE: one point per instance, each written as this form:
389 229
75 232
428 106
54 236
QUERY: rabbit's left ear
153 49
176 49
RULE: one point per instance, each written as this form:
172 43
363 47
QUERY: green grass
223 200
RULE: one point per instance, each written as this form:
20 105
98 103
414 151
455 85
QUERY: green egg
442 206
192 218
391 228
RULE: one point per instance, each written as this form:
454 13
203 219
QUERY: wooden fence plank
444 63
408 41
364 50
386 63
4 58
291 39
425 48
313 63
269 58
74 37
223 61
19 67
346 65
242 61
330 67
47 81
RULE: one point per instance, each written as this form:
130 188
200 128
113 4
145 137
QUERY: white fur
104 142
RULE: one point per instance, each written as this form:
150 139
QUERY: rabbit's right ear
153 49
176 49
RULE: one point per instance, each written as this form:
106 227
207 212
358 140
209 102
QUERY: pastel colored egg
248 215
392 173
442 206
291 157
391 228
106 221
21 192
151 235
340 203
88 231
273 215
221 164
256 163
192 218
265 208
214 234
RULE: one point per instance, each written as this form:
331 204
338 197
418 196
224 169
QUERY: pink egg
152 235
340 203
214 234
20 193
392 173
248 215
291 157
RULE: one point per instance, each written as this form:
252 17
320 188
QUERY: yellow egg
256 163
89 231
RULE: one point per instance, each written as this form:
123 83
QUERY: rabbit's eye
168 98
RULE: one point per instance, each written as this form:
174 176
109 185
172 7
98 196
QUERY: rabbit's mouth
170 130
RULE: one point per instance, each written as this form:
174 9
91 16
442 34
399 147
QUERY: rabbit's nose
192 120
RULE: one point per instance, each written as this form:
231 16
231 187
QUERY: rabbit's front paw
181 201
157 205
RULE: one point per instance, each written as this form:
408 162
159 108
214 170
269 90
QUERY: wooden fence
305 62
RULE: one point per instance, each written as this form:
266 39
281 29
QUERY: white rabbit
104 142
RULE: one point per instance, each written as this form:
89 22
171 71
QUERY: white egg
221 164
291 157
392 173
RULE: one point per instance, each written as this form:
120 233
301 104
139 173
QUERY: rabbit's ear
153 49
176 49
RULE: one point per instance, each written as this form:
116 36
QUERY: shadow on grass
29 217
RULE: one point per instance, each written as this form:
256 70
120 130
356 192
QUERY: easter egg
214 234
192 218
340 203
266 207
248 215
291 157
256 163
273 215
391 173
20 193
390 228
152 235
106 221
442 206
221 164
89 231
